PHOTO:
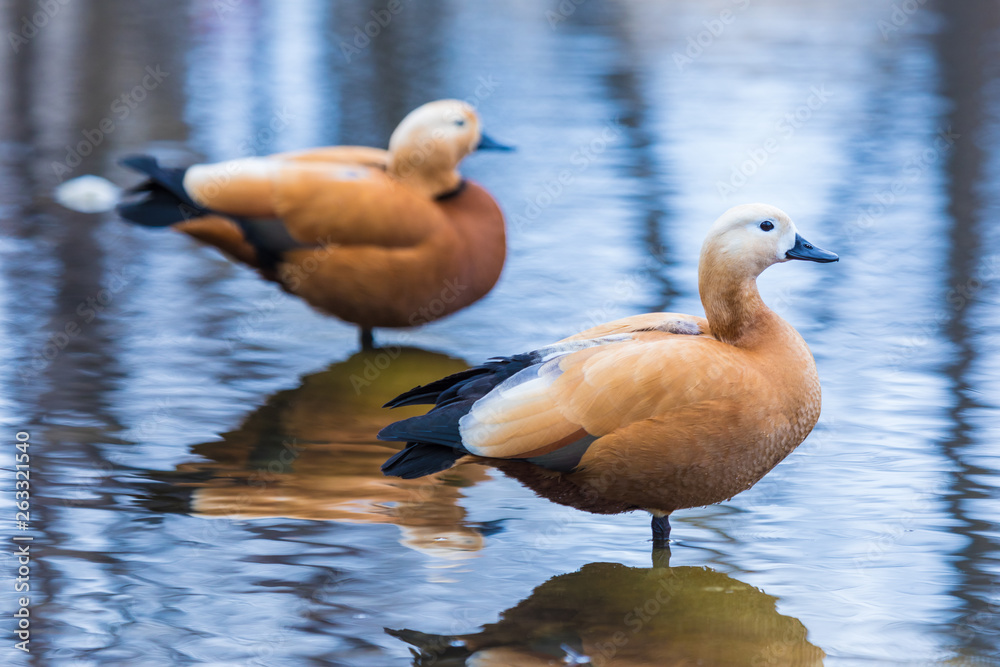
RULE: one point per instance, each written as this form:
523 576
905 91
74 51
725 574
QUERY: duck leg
367 339
661 531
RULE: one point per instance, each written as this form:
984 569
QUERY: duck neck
414 169
735 312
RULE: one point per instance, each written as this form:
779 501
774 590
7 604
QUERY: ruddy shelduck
659 412
380 238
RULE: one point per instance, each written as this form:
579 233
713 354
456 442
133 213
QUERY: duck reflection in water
310 453
611 614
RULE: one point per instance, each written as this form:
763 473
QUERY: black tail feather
437 427
160 201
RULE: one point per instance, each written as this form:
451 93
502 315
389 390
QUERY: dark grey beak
487 143
807 251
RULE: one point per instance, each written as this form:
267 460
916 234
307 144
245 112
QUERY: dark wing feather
428 393
270 238
161 200
433 440
465 383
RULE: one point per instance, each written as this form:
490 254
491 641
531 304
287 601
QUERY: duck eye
767 225
460 122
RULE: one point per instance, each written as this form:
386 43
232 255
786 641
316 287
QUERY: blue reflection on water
177 400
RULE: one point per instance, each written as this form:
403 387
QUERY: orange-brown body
427 259
663 454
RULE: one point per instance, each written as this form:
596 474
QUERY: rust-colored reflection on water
617 616
310 453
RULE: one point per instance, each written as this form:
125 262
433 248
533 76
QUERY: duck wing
549 405
318 202
675 323
359 155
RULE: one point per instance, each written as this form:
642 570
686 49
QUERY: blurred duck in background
659 412
380 238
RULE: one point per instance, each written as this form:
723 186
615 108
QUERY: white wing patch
350 173
519 415
202 177
514 414
562 349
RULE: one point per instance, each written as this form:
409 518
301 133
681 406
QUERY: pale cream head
749 238
429 143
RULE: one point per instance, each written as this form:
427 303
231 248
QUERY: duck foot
367 339
661 531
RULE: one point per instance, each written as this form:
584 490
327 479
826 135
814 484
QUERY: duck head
429 143
743 242
750 238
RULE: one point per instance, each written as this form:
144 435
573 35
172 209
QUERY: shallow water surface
205 475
